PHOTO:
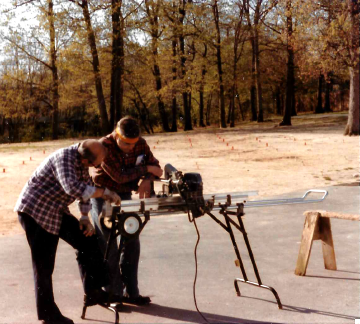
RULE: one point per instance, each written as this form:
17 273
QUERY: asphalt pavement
167 271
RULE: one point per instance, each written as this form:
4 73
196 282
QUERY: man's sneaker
62 320
140 300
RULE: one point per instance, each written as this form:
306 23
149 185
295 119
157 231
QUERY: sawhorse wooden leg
316 228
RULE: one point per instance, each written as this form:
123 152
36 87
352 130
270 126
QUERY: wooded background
75 67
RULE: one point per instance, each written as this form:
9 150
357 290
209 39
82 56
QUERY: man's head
127 133
92 152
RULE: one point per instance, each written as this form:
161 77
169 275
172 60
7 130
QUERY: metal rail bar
283 201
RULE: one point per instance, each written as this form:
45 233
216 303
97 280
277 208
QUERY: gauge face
131 225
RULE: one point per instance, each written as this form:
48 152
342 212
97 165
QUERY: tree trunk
153 19
230 107
201 108
328 86
174 72
237 39
253 97
253 102
278 101
239 104
222 117
187 111
260 117
194 121
232 115
352 126
208 109
117 64
293 105
2 125
290 70
105 126
318 109
54 72
161 105
174 114
201 91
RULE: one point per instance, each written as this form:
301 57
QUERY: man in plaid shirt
129 159
44 214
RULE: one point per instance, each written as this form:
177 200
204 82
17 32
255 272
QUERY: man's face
125 147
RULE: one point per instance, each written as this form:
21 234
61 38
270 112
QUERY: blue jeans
123 267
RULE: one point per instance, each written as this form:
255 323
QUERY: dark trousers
123 267
43 247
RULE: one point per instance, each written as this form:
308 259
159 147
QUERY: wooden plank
327 214
310 227
327 243
317 234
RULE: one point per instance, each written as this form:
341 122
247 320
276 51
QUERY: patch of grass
327 178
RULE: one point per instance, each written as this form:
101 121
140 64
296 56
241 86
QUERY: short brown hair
128 127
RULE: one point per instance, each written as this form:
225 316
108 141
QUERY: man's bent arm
84 203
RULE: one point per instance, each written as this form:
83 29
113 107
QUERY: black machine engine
190 188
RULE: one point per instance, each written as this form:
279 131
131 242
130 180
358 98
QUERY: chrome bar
234 195
283 201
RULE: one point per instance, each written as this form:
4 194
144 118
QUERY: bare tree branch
27 53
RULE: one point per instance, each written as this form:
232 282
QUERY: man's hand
156 171
144 190
111 196
86 226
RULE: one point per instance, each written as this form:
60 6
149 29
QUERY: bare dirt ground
274 160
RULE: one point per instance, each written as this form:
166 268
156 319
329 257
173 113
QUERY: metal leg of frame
111 308
83 312
251 255
112 236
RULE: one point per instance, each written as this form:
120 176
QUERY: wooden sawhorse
318 227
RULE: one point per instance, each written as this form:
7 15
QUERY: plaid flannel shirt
119 171
56 183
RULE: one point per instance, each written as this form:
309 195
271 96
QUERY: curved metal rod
116 313
111 308
261 286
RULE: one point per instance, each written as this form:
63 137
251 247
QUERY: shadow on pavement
304 310
178 314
